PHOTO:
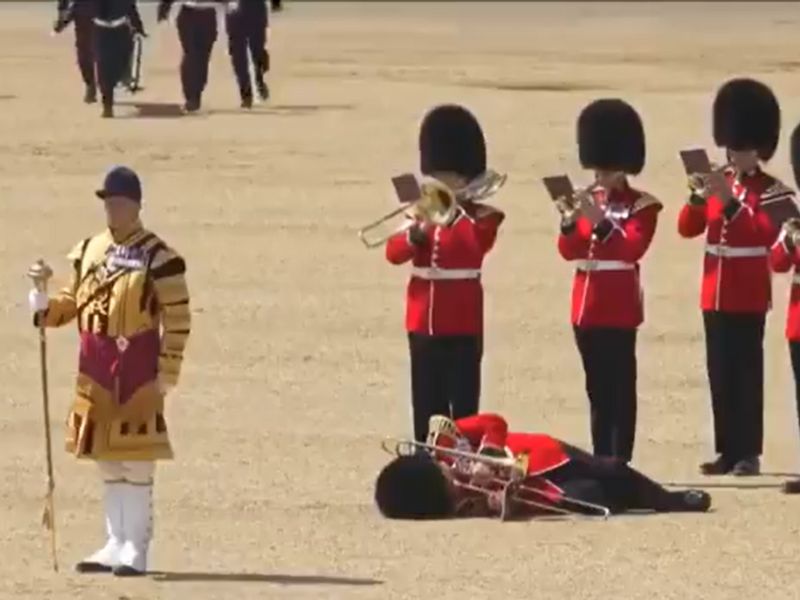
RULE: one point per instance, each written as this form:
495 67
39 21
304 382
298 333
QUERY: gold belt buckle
122 343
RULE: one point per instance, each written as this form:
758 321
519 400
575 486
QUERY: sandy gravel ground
297 366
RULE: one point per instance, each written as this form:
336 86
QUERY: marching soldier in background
444 310
116 22
736 287
128 294
197 30
246 22
276 5
785 256
82 13
606 295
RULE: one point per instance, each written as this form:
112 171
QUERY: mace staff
40 273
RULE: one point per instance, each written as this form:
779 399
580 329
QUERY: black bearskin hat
611 137
795 154
413 487
451 139
747 117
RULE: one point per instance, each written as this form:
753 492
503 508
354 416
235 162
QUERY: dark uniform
82 13
276 4
197 30
115 24
607 304
736 286
246 23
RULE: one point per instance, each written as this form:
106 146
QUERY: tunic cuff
568 227
696 200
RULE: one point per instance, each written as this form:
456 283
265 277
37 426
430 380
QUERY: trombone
437 205
511 480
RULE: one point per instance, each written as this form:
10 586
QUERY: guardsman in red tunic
736 286
606 294
416 487
444 306
785 256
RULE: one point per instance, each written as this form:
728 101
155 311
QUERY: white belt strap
605 265
436 273
201 4
723 251
113 24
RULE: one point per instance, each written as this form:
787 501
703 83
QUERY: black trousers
85 43
611 483
247 41
735 364
794 351
445 378
609 363
113 47
197 30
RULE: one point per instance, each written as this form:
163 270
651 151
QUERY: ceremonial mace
39 273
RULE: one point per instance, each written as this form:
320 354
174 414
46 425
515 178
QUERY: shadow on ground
262 578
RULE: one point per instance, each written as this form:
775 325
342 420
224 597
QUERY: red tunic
445 295
782 260
736 275
545 453
606 290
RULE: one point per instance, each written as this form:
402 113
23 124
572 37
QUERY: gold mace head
40 272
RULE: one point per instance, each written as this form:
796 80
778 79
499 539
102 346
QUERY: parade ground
297 366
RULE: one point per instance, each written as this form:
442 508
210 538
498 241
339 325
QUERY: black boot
90 95
792 487
247 101
720 466
747 467
690 501
192 105
108 111
263 90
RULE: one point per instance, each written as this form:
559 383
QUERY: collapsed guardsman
431 486
129 297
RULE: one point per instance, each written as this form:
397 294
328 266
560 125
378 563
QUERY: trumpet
437 205
509 482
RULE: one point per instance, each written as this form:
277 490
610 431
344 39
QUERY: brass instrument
437 205
508 483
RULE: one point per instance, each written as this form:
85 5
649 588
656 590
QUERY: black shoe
791 487
263 89
86 566
721 466
747 467
126 571
108 111
90 96
247 102
692 501
191 106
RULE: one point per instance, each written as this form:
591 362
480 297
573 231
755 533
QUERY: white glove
38 301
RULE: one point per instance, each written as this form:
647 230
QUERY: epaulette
646 201
777 191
